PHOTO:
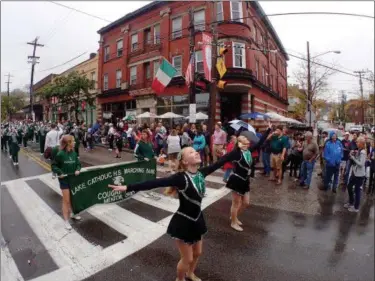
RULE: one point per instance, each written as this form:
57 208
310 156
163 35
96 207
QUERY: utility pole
213 85
8 92
192 102
309 97
360 73
33 61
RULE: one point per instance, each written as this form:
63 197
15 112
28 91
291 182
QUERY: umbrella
250 136
129 118
147 115
254 115
170 115
200 116
241 124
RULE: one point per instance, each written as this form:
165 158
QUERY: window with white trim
147 36
239 55
105 82
106 53
120 47
199 62
93 77
199 20
133 75
118 78
134 42
177 28
266 79
156 66
147 70
177 63
236 11
157 34
219 11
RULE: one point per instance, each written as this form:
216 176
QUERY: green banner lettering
91 187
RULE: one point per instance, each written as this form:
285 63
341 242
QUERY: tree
299 101
13 103
319 76
70 90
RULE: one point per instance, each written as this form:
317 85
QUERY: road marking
9 270
65 247
36 159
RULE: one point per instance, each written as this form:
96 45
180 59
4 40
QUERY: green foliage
13 103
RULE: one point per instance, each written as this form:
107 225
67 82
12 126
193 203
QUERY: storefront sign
141 92
192 112
91 187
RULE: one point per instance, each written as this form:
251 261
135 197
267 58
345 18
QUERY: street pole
33 61
309 98
192 103
8 93
213 85
362 98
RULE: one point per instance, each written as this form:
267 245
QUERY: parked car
355 129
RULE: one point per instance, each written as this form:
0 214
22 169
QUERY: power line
63 63
80 11
56 26
320 13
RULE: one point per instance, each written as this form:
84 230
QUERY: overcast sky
67 34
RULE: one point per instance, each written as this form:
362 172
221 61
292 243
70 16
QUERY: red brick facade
260 90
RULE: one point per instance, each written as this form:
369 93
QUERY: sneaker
77 218
67 225
17 163
14 164
348 205
353 210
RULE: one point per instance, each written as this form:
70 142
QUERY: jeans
307 169
266 158
227 174
329 172
347 171
355 197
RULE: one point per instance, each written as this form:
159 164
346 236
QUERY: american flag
188 74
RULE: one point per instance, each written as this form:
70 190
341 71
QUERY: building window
147 36
134 42
219 11
199 20
156 66
133 75
157 34
147 70
239 59
271 81
199 62
236 11
261 39
106 53
177 28
105 82
257 69
255 34
93 77
120 47
177 63
118 78
263 75
266 79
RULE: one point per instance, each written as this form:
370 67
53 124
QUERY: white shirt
52 139
111 131
173 144
129 132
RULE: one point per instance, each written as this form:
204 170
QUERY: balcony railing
142 85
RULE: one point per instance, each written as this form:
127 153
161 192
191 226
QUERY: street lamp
335 52
309 96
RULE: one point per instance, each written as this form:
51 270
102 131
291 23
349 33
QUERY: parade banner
207 55
90 187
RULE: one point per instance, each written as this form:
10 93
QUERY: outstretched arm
229 157
261 141
176 180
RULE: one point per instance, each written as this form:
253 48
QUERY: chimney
92 55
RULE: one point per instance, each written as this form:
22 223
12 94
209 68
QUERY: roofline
96 57
131 15
269 25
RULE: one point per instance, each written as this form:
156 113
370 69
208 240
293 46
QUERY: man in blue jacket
333 152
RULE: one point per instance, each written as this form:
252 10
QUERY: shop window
181 110
164 101
130 105
180 99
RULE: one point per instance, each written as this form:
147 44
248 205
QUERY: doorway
230 106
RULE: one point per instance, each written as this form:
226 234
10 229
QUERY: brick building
130 49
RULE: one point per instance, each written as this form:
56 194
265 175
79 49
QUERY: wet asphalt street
275 244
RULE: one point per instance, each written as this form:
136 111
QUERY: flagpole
192 102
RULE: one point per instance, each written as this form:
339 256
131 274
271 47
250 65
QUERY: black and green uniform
15 148
77 138
19 135
36 133
65 163
30 132
42 138
25 135
143 150
4 139
9 134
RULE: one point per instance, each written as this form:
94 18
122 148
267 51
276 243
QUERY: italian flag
163 76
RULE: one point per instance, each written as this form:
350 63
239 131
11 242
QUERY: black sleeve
176 180
261 141
229 157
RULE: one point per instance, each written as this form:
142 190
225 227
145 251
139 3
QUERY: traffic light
222 51
221 84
